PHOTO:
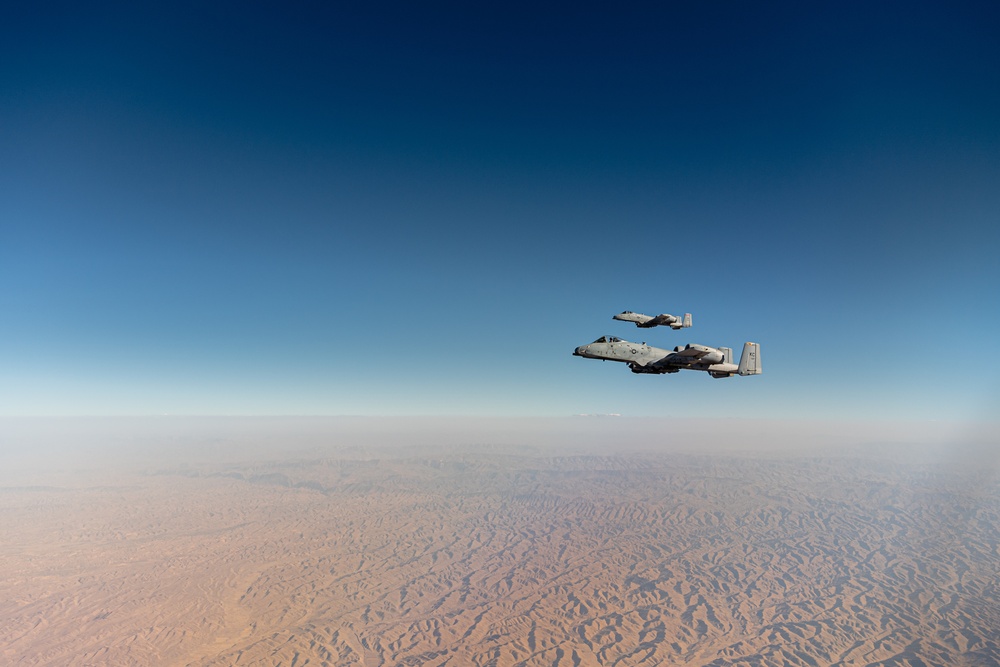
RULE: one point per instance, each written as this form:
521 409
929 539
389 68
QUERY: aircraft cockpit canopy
608 339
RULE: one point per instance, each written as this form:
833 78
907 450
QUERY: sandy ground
483 556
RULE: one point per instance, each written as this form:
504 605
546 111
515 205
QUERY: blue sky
243 208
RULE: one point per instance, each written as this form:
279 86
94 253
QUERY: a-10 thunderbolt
642 358
645 321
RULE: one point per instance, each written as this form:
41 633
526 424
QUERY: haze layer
507 556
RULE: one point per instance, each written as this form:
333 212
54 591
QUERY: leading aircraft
642 358
645 321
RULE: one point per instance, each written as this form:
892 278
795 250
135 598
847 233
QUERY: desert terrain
487 555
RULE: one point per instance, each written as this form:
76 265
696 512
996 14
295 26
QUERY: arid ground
485 555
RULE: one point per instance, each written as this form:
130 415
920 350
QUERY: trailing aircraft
645 321
642 358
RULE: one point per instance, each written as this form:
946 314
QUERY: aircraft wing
671 363
693 353
663 319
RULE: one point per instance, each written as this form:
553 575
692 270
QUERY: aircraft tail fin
750 360
687 320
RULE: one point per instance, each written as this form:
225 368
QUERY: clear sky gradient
410 209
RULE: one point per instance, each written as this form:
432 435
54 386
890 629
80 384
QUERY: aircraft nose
578 352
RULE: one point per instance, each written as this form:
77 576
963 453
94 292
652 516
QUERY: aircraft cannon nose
578 352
